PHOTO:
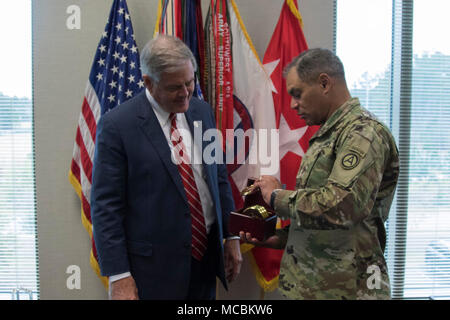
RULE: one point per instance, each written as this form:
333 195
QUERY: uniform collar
336 117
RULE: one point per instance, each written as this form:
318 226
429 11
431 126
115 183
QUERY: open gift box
256 217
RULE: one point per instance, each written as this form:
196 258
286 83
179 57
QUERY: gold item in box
257 211
248 190
255 217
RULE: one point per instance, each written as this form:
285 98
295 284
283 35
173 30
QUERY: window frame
401 116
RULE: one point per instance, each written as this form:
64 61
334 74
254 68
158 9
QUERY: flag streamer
183 19
252 108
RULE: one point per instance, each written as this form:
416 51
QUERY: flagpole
262 293
217 289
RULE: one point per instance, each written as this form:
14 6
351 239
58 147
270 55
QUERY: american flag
115 77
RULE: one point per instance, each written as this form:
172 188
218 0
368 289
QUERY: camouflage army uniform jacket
345 187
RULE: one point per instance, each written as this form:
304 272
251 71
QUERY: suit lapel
149 124
193 115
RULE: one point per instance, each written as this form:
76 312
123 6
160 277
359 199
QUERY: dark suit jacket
140 214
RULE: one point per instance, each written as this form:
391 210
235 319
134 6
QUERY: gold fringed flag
286 43
114 78
252 108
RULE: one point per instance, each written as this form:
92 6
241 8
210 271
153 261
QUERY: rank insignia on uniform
350 161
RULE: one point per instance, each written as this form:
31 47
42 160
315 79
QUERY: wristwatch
273 196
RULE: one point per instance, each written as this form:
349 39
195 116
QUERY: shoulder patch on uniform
350 160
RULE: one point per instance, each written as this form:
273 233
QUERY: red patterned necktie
199 234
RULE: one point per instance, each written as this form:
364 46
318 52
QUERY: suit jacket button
187 245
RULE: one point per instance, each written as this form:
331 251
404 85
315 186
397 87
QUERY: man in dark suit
160 220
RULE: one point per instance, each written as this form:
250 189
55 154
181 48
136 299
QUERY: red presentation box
259 228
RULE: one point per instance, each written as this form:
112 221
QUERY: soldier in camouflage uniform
345 186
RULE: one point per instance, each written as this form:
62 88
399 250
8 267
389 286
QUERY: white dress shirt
199 174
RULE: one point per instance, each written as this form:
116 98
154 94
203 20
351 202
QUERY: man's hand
267 184
124 289
233 259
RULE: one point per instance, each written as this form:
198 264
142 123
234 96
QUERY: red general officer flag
286 43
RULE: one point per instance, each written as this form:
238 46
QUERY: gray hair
311 63
164 53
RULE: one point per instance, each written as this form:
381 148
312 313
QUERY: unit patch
350 161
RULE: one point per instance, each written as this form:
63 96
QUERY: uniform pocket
304 175
320 264
318 170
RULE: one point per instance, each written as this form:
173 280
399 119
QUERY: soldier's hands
267 184
273 242
124 289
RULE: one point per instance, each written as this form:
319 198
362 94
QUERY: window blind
427 256
412 96
18 249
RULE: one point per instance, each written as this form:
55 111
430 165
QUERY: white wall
62 59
